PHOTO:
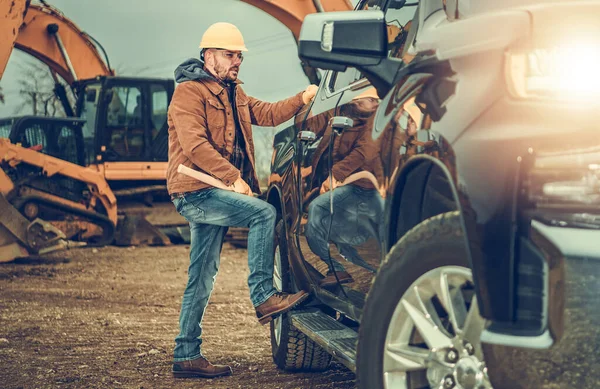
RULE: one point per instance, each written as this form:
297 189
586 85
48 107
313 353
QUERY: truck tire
421 323
292 350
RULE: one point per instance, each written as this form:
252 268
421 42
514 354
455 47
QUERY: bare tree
1 96
36 88
263 144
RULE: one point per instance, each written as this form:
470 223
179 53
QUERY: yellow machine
120 148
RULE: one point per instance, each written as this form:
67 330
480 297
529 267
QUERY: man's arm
188 115
273 114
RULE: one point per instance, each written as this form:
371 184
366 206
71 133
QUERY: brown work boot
277 304
330 279
199 368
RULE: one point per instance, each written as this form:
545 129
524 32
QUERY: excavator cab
57 137
126 118
48 198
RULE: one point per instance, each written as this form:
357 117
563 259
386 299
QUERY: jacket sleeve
273 114
362 151
189 117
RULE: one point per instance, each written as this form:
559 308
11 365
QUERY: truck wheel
421 324
292 350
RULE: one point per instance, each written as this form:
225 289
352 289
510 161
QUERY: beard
226 73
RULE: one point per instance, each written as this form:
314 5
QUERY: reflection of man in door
357 206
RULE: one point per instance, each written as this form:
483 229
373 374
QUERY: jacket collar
215 86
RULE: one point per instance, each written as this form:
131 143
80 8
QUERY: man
210 120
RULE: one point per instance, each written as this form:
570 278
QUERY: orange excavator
69 174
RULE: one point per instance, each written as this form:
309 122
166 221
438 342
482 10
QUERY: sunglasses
231 55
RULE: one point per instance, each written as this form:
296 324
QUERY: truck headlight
561 73
564 189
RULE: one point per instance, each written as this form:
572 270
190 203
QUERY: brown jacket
202 130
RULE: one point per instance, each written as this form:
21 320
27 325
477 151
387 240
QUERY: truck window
341 80
399 18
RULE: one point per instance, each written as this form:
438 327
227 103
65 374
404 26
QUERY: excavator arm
12 14
292 13
45 33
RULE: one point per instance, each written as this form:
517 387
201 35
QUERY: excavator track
78 224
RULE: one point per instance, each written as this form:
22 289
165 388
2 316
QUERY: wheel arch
422 189
274 198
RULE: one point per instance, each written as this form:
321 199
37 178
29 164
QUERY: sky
150 38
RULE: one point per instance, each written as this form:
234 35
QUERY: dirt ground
107 317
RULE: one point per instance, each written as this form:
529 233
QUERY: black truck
449 231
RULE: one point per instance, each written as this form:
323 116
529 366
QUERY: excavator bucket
21 238
135 229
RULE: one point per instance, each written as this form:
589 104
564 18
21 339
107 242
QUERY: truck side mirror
338 40
335 40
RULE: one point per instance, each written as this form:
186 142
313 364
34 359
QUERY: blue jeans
356 218
210 212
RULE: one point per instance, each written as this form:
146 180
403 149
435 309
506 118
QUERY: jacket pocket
215 115
244 112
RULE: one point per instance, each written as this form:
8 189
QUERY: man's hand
325 187
309 93
240 186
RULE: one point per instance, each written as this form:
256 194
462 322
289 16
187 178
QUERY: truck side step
339 340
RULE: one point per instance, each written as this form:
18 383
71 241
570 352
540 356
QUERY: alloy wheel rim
278 284
433 336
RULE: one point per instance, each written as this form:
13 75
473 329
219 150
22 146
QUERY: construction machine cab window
160 103
124 121
67 145
5 127
34 136
89 110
